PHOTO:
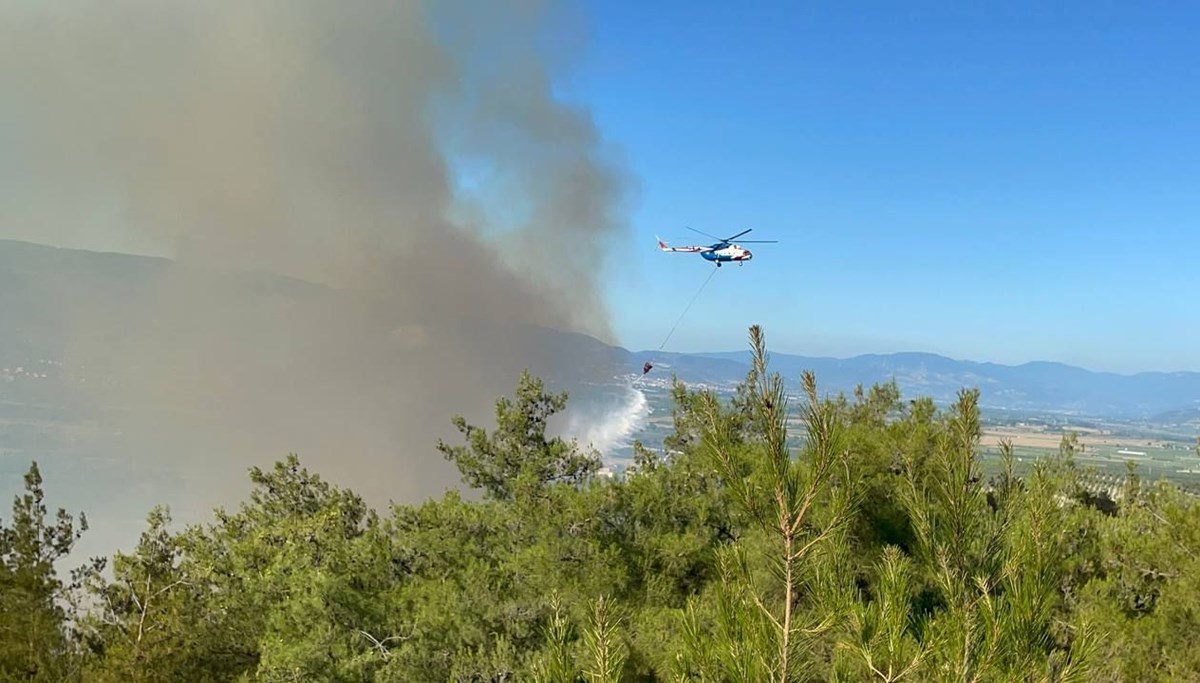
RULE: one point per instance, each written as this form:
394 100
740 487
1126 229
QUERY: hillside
44 291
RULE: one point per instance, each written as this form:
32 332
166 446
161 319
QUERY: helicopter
723 251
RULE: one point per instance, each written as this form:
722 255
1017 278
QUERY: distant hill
1031 387
1035 386
42 289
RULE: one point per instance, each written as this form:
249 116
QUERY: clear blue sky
993 183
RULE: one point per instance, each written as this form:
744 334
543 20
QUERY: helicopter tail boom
663 246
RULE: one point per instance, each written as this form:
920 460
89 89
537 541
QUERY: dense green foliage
874 551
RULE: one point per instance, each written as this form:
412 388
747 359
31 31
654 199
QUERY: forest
875 551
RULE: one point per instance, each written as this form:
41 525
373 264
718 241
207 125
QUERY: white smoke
607 424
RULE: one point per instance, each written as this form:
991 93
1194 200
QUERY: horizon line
622 347
934 354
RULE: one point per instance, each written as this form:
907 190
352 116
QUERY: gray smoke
321 141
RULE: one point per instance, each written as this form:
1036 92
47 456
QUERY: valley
66 415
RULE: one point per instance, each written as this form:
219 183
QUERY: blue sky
1002 183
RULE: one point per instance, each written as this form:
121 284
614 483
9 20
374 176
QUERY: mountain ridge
896 355
1047 386
42 286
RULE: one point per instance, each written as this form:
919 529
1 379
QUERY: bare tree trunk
785 640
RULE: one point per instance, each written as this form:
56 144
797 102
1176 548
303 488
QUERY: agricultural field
1109 450
1155 451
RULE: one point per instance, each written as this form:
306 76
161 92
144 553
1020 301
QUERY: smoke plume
406 162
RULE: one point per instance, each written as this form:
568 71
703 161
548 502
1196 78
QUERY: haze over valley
65 399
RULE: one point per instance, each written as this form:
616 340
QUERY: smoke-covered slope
415 161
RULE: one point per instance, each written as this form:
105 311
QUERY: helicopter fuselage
729 254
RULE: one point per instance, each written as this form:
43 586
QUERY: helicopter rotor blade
706 234
730 239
